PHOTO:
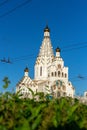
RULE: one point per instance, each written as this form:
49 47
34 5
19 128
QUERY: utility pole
4 60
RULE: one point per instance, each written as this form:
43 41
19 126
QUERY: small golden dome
46 29
26 69
58 49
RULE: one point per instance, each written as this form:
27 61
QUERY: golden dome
26 69
46 29
58 49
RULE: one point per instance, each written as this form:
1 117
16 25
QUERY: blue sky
21 34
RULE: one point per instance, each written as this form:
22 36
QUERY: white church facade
50 74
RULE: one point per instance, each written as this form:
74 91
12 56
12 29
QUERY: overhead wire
13 9
74 79
4 2
74 46
68 48
22 58
65 48
31 56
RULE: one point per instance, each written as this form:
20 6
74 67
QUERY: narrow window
62 74
65 75
52 74
41 71
58 73
55 74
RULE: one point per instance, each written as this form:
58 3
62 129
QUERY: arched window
52 74
55 74
59 66
69 84
65 75
41 71
58 73
62 74
64 94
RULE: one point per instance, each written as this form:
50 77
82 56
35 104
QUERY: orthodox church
50 74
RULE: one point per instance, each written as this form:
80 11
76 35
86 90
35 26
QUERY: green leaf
6 82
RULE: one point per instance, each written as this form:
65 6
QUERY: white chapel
50 74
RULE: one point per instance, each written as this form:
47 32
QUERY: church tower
45 56
26 71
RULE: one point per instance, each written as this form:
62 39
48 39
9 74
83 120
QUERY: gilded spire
26 71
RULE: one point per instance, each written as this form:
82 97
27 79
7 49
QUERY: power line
74 46
12 10
68 48
78 78
4 2
23 58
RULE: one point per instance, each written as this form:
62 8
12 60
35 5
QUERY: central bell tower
45 56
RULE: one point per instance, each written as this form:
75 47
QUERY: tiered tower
45 57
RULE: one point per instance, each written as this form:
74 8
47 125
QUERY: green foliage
45 114
6 82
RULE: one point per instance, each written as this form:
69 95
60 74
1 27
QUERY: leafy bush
55 114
